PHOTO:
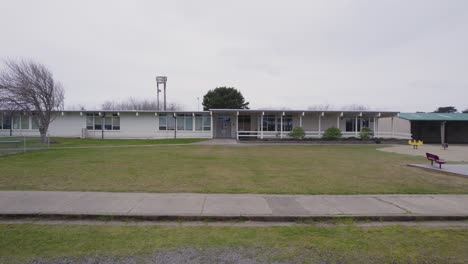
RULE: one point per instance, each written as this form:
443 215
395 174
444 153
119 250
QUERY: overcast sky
390 55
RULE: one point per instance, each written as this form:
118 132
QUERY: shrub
332 133
297 133
366 133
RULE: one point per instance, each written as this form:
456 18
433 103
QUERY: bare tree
79 107
7 110
320 107
137 104
355 107
29 87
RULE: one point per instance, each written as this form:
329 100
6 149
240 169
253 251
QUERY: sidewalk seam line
394 204
133 207
203 205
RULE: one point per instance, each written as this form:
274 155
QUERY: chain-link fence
10 145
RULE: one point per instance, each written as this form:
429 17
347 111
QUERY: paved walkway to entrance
253 206
459 169
453 153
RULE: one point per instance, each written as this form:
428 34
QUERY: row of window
17 121
361 123
187 122
273 123
96 122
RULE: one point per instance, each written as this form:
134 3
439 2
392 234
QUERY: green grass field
78 142
335 244
350 169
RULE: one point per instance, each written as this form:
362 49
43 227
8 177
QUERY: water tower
161 80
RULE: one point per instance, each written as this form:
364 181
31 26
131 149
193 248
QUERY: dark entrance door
223 127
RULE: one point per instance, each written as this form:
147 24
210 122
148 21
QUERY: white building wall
399 125
145 125
310 122
328 121
68 125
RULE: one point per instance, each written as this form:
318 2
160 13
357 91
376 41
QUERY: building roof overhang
434 116
366 113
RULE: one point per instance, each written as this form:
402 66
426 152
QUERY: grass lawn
78 142
350 169
349 243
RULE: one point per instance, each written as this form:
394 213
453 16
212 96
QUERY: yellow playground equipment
415 143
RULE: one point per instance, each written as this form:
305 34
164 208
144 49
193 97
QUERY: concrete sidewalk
229 206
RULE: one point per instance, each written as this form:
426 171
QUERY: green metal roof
434 116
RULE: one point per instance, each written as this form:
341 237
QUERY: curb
389 218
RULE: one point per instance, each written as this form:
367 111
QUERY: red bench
434 158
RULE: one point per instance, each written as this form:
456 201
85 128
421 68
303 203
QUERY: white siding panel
68 125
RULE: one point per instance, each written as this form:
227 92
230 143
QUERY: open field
78 142
351 169
19 144
348 243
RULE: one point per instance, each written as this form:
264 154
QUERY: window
184 122
166 122
108 123
180 122
198 122
269 123
351 124
365 122
95 122
162 122
206 122
24 122
16 121
202 122
361 122
34 124
287 123
244 123
115 122
6 121
188 122
90 121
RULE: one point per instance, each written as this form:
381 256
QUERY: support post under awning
442 132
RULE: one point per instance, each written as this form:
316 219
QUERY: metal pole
198 104
356 127
164 96
375 135
157 92
175 125
237 126
102 126
319 125
281 124
392 127
261 126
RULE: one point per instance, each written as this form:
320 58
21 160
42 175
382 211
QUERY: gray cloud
402 55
